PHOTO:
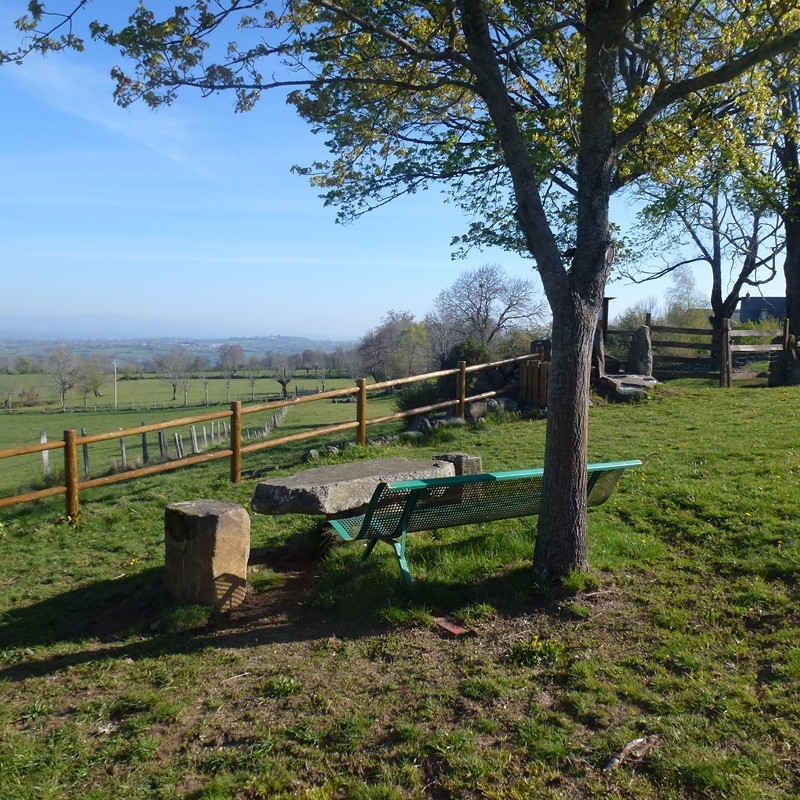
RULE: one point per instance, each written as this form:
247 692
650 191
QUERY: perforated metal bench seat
397 509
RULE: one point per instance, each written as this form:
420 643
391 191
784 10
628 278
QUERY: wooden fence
533 382
729 349
232 419
699 356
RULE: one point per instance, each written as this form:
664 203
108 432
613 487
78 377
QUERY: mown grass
333 681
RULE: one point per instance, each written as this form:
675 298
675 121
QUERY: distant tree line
484 315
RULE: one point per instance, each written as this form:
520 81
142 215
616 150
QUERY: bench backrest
419 505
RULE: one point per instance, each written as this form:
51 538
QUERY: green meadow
670 671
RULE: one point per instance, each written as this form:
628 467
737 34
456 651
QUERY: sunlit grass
684 635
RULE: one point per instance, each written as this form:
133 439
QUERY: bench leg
399 546
400 552
368 549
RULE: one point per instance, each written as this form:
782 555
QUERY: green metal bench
397 509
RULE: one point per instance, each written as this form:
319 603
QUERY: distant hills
128 339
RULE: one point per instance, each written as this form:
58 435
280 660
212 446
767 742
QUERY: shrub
419 395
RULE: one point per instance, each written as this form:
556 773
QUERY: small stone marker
640 356
207 548
463 463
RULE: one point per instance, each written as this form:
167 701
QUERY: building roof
755 309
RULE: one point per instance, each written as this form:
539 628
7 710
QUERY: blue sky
188 221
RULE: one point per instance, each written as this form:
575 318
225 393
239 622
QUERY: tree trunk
575 294
561 539
791 225
791 271
789 156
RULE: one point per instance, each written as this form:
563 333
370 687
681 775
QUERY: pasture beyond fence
696 354
231 422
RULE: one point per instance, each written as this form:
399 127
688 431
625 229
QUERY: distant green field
151 391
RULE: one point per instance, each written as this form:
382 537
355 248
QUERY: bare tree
62 366
636 314
8 391
715 217
379 345
175 366
485 302
252 372
352 363
230 359
442 334
88 380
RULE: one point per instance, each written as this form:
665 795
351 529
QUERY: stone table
337 488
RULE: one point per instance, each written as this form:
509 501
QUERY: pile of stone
608 376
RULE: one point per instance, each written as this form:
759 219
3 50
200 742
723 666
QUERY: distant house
757 309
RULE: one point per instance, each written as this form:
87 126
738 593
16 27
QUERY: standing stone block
207 549
640 356
463 463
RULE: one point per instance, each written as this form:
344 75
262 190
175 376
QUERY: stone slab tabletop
337 488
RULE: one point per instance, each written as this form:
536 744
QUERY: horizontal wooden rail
685 331
33 448
412 412
683 345
756 348
395 382
71 442
299 437
154 469
39 494
153 426
756 334
682 373
672 359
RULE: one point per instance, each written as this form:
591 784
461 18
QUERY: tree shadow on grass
125 618
106 611
135 616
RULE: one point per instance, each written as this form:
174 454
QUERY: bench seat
397 509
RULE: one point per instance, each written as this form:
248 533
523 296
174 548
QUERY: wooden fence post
71 474
361 411
726 357
461 389
86 469
162 445
145 451
123 452
45 454
236 441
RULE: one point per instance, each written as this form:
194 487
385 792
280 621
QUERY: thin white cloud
83 89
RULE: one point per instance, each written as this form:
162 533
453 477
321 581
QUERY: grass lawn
671 671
